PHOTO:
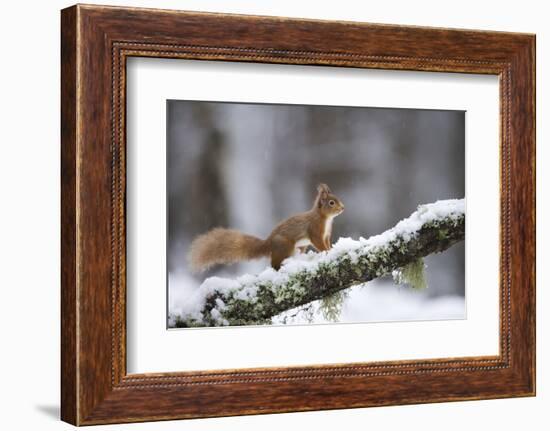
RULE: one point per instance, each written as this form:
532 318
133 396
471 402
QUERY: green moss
442 234
331 305
413 274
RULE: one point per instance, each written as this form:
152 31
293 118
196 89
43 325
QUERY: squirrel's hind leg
281 248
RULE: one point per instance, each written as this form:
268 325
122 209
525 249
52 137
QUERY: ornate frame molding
96 41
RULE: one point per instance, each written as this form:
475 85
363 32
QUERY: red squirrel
296 233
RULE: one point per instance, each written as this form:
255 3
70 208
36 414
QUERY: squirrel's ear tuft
322 194
322 187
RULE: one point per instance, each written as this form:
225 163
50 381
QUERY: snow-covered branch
255 299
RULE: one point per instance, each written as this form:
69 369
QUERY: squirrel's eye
331 203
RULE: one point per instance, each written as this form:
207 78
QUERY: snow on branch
255 299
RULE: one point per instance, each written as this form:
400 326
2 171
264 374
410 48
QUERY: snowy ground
381 301
377 301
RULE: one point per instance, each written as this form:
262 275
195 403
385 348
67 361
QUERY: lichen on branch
256 299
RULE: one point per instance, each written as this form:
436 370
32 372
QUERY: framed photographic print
265 215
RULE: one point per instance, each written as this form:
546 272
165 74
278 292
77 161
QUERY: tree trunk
254 300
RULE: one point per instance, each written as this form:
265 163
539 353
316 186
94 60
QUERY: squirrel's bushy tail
225 246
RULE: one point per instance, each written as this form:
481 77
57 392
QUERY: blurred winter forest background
249 166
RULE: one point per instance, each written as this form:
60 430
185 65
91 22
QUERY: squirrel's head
327 203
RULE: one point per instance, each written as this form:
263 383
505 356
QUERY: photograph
306 214
285 214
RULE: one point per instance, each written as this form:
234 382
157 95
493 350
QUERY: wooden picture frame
95 43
